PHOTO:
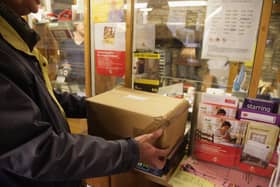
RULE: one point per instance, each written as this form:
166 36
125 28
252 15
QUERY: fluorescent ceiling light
186 3
138 5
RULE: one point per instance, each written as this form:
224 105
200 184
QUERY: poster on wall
231 29
108 11
110 49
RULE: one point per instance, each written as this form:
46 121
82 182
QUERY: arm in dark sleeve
73 105
30 148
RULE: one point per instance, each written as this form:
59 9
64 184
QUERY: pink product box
255 115
261 105
219 110
224 100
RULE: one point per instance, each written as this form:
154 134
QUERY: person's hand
149 154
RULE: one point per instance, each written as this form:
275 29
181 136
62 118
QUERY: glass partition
269 84
60 25
197 43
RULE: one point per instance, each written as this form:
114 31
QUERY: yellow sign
147 81
147 55
104 11
184 179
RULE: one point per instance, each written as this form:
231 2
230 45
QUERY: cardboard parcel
123 112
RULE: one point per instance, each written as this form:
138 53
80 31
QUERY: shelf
163 180
180 79
276 8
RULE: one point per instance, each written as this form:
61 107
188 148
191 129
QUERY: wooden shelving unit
276 8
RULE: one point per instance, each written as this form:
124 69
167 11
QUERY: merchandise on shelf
255 115
218 135
247 143
261 105
197 173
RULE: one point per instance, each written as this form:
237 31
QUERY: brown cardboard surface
124 112
99 182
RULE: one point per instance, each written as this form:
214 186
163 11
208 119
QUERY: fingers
158 163
162 152
159 159
152 137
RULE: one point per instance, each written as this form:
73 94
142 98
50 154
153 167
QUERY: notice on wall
231 29
110 49
108 11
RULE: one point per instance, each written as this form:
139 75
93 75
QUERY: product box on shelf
220 100
216 153
259 145
219 139
260 105
124 112
214 109
255 115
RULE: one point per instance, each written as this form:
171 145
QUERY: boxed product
216 153
255 115
260 105
219 139
259 146
221 106
222 100
220 110
259 143
124 112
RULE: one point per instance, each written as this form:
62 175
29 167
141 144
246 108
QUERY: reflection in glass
61 28
269 86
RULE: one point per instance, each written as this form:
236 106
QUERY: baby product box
124 112
219 140
220 100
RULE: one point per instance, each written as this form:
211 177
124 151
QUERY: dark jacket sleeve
30 148
73 105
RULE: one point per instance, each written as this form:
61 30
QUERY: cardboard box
124 112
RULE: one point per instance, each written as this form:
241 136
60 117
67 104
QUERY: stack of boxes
239 138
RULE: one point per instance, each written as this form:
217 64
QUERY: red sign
110 63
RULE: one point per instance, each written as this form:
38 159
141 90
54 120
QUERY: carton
221 100
259 144
261 105
213 109
124 112
219 139
255 115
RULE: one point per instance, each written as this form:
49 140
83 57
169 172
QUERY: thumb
155 135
